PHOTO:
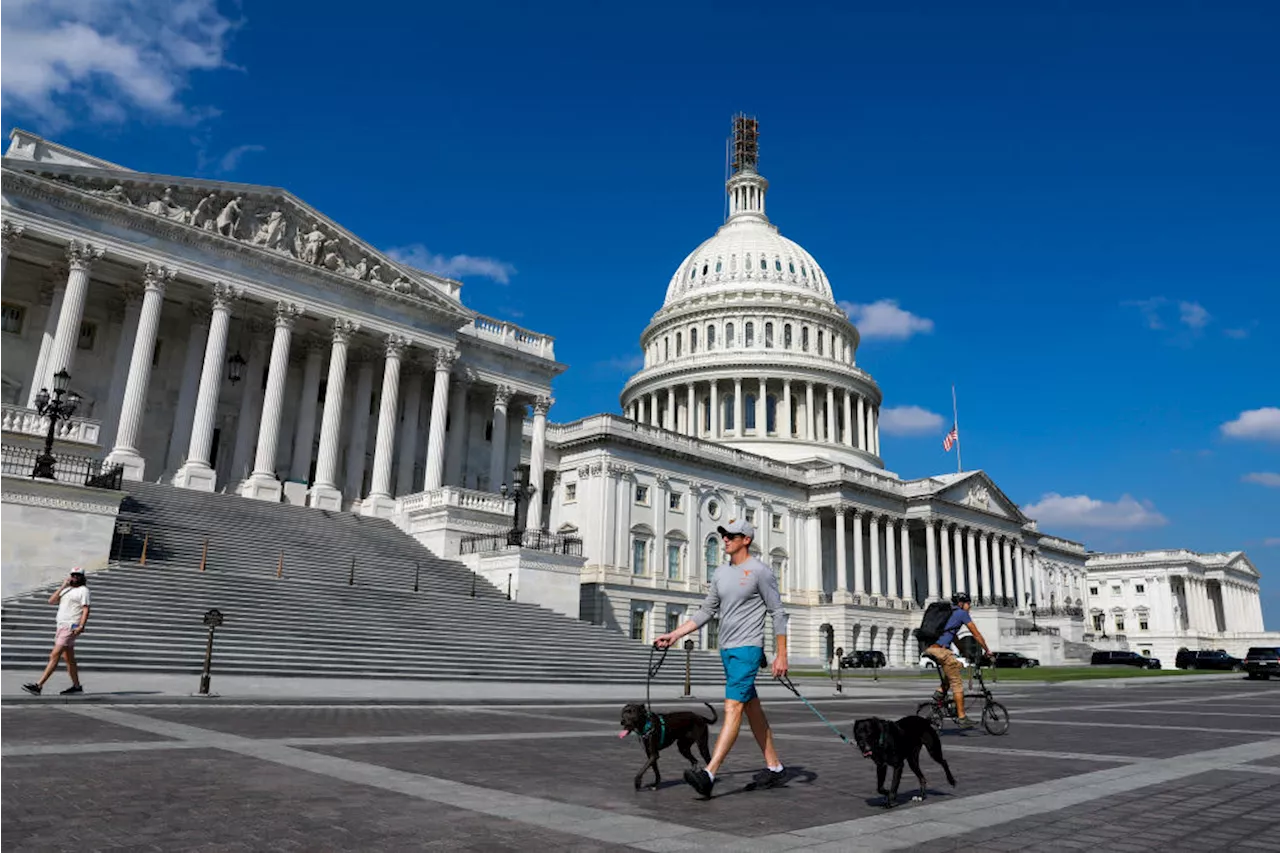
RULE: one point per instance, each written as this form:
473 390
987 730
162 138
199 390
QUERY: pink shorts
65 637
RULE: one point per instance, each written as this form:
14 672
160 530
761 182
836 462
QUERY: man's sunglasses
729 536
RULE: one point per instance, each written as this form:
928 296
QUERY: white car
930 663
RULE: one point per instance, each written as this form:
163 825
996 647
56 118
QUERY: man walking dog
741 592
72 599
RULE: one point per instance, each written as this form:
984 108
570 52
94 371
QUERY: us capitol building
227 337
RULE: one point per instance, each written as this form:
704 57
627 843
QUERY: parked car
1013 660
1262 662
1207 659
1124 659
864 657
929 663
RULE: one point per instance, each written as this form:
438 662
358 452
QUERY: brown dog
659 731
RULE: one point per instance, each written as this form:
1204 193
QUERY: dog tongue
623 733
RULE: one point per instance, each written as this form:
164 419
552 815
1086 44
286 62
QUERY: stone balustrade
513 336
454 496
26 421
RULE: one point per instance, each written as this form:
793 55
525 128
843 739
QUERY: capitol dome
750 349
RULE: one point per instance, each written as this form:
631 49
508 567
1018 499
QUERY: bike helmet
961 598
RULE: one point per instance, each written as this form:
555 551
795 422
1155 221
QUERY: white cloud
911 420
1262 478
106 60
1262 424
1055 510
231 159
453 266
884 319
1150 309
1272 541
1237 334
1193 315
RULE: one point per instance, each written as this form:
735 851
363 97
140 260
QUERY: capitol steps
310 621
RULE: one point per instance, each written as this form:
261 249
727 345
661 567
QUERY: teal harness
649 727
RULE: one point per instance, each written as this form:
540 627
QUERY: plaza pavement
1126 765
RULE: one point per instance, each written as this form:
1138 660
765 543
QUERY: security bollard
688 669
204 553
146 540
213 619
840 670
351 579
417 570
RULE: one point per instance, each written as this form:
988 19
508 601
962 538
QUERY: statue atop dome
746 143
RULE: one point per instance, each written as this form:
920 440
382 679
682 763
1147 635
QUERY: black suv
1262 662
866 657
1124 659
1206 659
1013 660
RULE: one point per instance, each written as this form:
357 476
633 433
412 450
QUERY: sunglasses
730 536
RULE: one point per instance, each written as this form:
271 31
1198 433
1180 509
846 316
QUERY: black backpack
933 623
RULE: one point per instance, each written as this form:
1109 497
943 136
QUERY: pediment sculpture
266 221
979 496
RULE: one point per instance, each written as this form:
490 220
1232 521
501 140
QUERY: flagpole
955 422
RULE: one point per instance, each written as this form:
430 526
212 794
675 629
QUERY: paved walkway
1178 765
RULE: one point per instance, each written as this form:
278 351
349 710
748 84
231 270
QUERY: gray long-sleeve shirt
740 595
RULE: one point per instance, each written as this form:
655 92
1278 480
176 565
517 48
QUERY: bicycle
995 719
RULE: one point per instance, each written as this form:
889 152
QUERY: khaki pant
950 665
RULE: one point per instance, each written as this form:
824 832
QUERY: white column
984 559
262 483
831 437
125 452
358 439
847 434
655 418
129 309
11 235
890 556
842 553
670 422
785 428
931 558
874 415
250 404
859 574
195 472
971 561
715 410
459 433
1020 571
80 257
380 502
434 476
808 412
813 551
1009 590
691 411
498 455
408 450
739 410
537 459
945 547
305 429
762 411
184 411
957 543
324 491
52 296
875 531
908 589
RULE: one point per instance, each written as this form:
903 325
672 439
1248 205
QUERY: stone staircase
311 621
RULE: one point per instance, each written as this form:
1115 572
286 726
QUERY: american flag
952 438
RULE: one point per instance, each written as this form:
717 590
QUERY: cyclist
947 660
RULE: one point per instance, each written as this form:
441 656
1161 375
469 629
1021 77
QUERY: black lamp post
235 367
517 491
1034 627
56 409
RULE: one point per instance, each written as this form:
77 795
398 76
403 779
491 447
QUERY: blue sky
1067 209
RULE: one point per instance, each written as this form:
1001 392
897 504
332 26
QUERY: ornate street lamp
55 409
1032 604
235 367
516 492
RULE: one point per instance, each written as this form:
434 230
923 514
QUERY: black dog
890 744
659 731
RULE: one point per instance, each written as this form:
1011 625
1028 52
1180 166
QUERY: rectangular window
673 619
88 334
639 550
1119 622
675 501
713 634
1097 621
768 335
1093 590
637 623
14 315
749 335
820 342
777 521
804 338
1142 623
1115 589
751 516
570 492
673 561
693 340
1140 588
642 494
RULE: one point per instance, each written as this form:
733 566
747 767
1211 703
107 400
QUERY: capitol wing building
228 337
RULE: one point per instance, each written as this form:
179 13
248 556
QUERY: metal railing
537 540
67 468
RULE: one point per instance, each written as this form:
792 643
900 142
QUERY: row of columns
1241 606
804 409
877 528
984 564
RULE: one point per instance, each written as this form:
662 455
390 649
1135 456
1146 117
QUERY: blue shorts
740 667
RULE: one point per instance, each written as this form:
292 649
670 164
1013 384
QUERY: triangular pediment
976 490
266 219
1241 563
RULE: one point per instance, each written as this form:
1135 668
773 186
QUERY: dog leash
653 671
786 682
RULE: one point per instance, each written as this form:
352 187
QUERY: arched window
768 335
771 414
718 266
693 341
679 344
711 554
728 335
749 335
804 338
692 270
786 336
666 348
777 264
706 415
711 337
791 265
749 411
704 269
764 265
819 342
726 412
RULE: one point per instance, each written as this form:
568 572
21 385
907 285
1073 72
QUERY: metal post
473 585
213 619
145 540
204 553
688 669
351 579
417 570
840 669
508 586
280 565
